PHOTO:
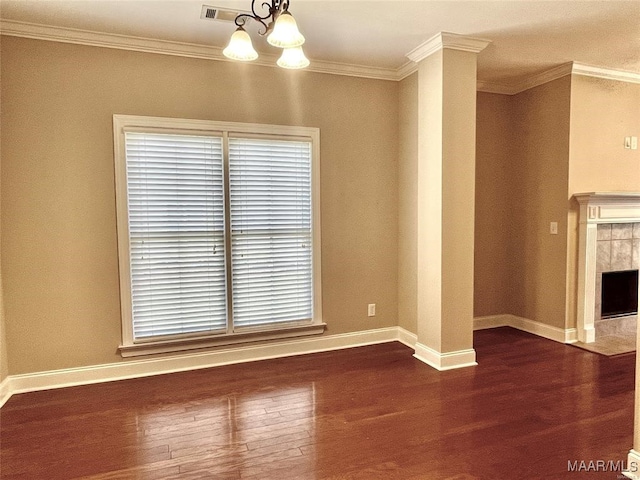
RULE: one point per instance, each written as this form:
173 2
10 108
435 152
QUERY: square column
446 199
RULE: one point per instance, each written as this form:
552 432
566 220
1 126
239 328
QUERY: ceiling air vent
217 13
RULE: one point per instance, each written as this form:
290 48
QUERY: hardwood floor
530 407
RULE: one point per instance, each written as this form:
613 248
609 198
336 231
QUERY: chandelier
281 30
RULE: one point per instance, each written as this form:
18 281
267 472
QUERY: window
218 232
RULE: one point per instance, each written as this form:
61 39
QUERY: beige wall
494 204
541 151
59 257
59 252
4 361
534 151
603 112
407 205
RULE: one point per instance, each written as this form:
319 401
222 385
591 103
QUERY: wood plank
529 408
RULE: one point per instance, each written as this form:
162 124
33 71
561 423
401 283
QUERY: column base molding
588 335
445 361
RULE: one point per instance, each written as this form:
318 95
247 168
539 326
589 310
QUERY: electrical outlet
553 228
371 310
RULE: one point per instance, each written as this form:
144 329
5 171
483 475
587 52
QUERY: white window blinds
218 232
270 212
176 233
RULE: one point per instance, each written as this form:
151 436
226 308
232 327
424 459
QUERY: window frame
131 123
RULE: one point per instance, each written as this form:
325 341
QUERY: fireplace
619 293
609 241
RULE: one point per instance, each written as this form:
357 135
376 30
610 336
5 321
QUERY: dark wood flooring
530 408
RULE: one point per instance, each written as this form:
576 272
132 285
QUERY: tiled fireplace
617 263
609 241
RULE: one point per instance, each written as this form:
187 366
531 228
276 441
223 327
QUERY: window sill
249 336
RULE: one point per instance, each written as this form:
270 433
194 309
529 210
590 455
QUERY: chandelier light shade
281 30
293 58
240 47
285 32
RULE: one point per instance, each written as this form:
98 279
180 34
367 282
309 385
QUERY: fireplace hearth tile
636 230
614 336
610 345
621 326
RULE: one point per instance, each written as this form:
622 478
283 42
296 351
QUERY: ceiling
527 37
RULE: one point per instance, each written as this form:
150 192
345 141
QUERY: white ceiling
528 37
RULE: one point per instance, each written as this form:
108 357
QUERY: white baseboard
445 361
5 391
491 321
633 465
569 335
196 360
407 338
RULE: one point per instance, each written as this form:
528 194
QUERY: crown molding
439 41
447 40
180 49
107 40
499 88
605 73
545 76
407 69
570 68
350 70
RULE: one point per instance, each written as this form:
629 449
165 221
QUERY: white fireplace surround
597 208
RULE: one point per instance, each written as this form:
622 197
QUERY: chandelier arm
242 19
284 6
274 8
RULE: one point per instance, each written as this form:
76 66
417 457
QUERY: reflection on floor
531 409
614 336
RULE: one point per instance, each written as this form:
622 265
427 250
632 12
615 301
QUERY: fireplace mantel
602 207
597 208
